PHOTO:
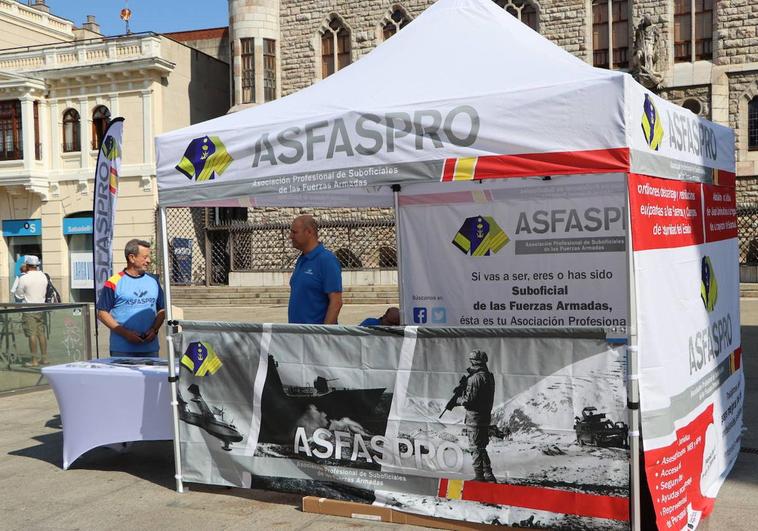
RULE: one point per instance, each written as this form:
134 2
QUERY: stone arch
517 9
327 26
390 16
741 125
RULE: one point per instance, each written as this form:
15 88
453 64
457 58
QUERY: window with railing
11 137
610 33
335 47
247 57
269 69
101 117
752 124
523 10
686 33
397 20
71 131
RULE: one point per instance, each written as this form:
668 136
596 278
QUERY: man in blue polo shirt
316 282
131 305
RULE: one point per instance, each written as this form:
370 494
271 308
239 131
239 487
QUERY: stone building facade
59 87
707 50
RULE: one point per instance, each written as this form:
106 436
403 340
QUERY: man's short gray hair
132 247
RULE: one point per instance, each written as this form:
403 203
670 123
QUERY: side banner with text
519 253
104 208
691 382
470 424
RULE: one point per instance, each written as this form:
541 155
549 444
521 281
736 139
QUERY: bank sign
22 227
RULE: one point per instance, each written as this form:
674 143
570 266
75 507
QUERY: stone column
27 130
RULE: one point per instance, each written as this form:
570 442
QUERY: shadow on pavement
54 423
50 449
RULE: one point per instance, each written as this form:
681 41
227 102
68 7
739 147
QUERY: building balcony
50 60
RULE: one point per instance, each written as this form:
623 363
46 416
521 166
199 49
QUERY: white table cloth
110 401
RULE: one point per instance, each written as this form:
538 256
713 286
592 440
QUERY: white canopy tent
466 92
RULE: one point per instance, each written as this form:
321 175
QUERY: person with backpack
32 288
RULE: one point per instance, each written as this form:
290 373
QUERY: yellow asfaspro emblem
709 290
651 124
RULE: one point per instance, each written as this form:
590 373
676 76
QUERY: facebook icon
419 315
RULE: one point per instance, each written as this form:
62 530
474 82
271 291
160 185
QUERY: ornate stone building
59 86
702 54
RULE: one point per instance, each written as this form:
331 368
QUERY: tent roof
465 91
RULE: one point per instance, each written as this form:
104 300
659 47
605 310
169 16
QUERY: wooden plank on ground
363 511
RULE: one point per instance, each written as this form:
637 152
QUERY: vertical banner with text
519 253
691 382
104 208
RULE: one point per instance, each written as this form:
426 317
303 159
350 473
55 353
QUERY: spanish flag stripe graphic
442 490
448 170
556 163
464 170
724 178
547 499
480 196
455 489
735 360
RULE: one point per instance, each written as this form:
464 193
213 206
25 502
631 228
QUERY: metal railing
747 232
206 244
33 336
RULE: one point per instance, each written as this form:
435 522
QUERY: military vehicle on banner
592 428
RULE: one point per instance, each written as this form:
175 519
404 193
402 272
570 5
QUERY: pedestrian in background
31 289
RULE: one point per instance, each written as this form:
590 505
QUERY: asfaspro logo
480 236
709 290
420 315
204 159
652 127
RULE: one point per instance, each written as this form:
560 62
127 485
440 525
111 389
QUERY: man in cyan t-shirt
131 305
316 282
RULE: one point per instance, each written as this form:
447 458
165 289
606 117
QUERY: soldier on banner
478 397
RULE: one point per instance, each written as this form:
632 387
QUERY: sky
159 16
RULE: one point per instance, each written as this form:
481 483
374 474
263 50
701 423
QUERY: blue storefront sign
22 227
77 226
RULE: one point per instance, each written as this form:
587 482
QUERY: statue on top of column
644 64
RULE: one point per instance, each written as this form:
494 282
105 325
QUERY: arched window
335 47
71 131
752 124
397 21
610 34
524 10
101 117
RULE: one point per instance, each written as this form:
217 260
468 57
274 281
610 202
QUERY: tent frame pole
633 390
398 253
170 328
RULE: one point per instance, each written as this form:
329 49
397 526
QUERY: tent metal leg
398 253
170 345
633 389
